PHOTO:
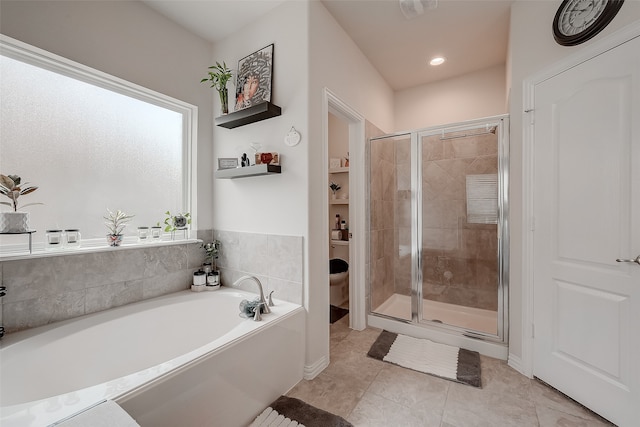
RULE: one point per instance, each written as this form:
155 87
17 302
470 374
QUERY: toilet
338 281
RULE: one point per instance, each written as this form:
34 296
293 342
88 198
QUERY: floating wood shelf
256 113
254 170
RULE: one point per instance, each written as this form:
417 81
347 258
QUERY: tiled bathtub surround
50 289
274 259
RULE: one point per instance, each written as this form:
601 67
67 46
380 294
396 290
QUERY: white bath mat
291 412
429 357
270 417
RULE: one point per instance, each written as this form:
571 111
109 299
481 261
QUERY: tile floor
368 392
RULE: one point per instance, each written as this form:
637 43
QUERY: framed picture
227 163
255 73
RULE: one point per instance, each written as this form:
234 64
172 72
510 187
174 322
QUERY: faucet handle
271 304
256 316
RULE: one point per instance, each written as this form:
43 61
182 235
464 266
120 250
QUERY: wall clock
577 21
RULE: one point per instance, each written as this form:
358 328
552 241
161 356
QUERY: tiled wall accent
277 261
460 264
402 256
383 194
44 290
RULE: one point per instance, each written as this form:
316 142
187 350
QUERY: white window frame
32 55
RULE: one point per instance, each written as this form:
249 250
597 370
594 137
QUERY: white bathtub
183 359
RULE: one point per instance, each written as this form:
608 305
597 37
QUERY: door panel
586 210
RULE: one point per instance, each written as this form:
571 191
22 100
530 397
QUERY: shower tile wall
402 261
459 259
383 218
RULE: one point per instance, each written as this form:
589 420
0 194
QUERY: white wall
131 41
471 96
337 64
531 49
275 204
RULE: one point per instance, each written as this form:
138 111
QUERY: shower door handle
637 260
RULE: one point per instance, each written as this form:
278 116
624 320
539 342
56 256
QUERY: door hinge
532 117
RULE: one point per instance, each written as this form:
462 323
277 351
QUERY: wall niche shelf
256 113
339 201
246 171
339 170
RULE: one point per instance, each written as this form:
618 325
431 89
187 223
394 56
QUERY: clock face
578 15
577 21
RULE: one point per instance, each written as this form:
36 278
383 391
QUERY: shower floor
475 319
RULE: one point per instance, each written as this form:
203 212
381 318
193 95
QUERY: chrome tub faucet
263 301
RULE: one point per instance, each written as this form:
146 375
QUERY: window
91 142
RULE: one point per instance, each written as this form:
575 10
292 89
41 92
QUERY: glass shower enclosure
438 227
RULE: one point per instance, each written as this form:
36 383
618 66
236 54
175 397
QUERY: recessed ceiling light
438 60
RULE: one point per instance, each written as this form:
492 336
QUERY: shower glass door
438 241
461 180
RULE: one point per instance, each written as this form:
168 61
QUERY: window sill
42 253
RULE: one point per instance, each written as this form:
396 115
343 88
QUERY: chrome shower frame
475 127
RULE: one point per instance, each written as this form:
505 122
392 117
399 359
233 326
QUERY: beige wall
471 96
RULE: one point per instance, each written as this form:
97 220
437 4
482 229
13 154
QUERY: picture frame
254 78
227 163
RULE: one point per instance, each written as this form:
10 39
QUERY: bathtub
183 359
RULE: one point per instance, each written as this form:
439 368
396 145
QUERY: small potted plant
176 222
334 188
219 76
211 251
15 221
116 223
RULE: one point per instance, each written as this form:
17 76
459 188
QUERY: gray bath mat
292 412
336 313
422 355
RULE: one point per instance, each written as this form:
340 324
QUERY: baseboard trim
516 363
312 371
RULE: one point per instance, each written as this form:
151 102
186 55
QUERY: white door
586 215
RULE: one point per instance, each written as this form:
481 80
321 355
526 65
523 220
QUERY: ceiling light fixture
438 60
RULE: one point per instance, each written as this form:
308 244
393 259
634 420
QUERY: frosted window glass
88 149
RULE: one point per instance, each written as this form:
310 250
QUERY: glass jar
72 238
156 233
53 239
143 234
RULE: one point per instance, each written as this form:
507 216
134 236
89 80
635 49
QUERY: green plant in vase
176 222
211 250
219 75
334 188
12 187
116 223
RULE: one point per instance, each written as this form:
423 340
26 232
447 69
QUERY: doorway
348 202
